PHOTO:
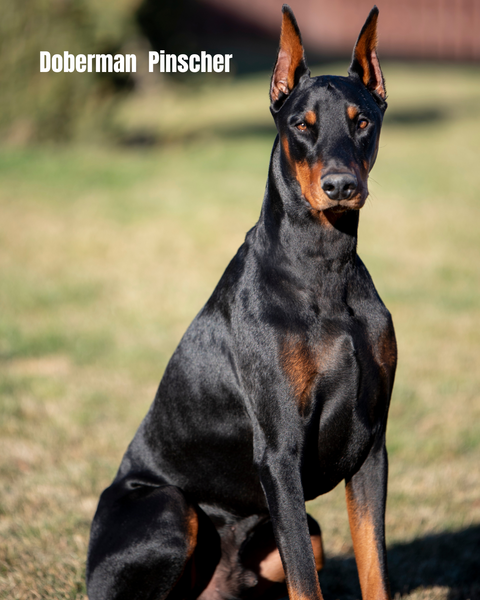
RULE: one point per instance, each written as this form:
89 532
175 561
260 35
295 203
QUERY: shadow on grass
450 559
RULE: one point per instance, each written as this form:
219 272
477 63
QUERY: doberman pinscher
280 388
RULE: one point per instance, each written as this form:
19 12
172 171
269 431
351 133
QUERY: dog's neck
308 241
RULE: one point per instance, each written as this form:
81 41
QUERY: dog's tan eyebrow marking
352 111
311 117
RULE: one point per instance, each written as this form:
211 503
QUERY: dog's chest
340 377
334 354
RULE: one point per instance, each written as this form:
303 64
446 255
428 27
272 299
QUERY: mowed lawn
107 253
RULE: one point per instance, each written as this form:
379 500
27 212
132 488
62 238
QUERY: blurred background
122 199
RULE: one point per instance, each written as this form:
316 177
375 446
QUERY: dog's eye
362 123
301 126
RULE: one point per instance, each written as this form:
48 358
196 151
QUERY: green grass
106 254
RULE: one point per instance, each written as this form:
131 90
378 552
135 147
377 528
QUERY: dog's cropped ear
365 61
290 65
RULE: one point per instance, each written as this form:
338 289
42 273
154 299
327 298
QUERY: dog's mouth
321 201
338 210
355 203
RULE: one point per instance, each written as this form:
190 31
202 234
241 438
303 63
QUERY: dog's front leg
280 477
366 494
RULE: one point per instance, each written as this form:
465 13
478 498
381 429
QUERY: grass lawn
106 254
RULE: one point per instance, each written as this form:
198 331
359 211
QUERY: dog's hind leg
260 555
143 541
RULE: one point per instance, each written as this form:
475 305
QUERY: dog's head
328 126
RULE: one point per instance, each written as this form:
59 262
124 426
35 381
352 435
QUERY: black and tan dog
280 388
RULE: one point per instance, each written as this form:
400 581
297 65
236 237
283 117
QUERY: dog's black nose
339 186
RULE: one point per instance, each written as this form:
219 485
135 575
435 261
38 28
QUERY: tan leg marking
294 595
271 566
372 582
192 531
317 546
